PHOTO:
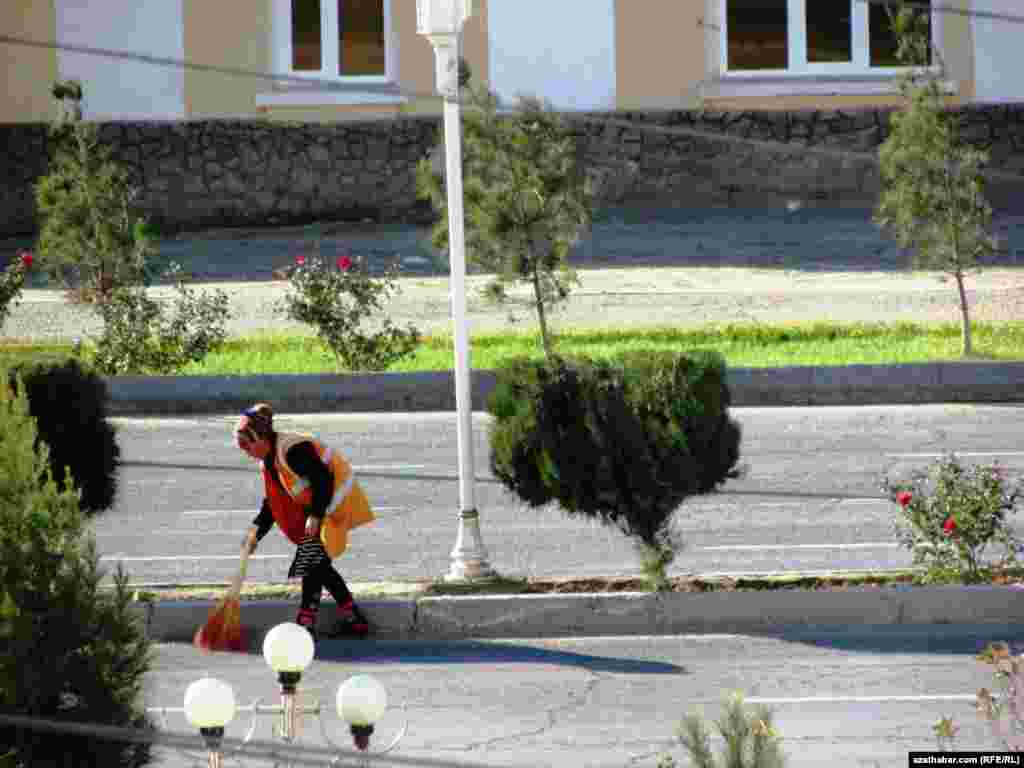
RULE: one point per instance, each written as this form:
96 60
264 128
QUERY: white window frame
282 46
797 46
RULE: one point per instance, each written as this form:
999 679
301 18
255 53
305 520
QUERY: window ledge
322 97
809 85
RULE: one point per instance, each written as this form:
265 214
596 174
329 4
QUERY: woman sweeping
311 494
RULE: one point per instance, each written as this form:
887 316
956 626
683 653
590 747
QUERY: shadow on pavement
475 652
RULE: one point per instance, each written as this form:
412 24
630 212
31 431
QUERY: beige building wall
659 53
331 113
958 47
476 44
27 74
226 33
798 103
416 57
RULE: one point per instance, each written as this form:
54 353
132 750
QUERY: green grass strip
743 346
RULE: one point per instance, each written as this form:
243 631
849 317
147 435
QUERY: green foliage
949 514
526 200
140 337
933 195
338 301
655 560
12 280
91 237
68 650
625 444
67 89
69 405
750 738
465 73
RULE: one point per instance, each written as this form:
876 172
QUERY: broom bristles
223 629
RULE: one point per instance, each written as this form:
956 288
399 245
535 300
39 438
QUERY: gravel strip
611 298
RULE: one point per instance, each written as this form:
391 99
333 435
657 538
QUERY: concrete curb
628 613
953 382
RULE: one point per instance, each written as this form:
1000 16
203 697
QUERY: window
338 38
808 36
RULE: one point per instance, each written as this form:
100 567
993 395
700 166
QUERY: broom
223 628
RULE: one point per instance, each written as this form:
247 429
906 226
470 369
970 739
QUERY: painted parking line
253 511
180 558
214 512
972 697
389 467
775 547
193 532
958 453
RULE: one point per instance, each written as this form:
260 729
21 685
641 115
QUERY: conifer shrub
69 403
69 650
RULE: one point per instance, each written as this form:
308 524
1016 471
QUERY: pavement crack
575 701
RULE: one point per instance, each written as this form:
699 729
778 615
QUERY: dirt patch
551 586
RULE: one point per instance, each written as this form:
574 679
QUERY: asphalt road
810 501
842 696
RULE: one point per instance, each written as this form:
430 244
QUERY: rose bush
949 515
338 301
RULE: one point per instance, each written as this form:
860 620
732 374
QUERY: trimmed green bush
624 442
69 404
68 650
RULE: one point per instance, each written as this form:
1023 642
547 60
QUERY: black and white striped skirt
308 557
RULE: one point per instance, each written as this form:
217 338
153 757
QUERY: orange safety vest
348 508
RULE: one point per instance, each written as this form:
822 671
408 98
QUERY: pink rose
344 263
949 526
300 260
26 259
903 498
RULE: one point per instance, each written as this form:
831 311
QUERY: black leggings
323 575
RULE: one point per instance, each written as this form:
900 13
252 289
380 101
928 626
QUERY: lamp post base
469 557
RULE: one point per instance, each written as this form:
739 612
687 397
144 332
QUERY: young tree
90 229
933 185
526 200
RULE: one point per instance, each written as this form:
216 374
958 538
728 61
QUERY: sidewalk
620 614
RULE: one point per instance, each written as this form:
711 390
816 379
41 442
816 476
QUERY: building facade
346 59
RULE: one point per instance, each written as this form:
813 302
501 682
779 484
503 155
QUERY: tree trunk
541 319
966 348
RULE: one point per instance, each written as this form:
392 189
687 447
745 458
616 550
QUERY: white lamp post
440 21
209 706
361 702
288 650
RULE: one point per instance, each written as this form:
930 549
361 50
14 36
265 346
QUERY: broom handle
236 585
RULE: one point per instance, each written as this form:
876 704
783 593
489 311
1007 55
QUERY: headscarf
256 422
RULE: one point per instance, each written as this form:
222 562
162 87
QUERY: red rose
300 260
903 498
344 263
26 259
949 526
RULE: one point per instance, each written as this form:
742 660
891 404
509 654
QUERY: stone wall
771 158
193 175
